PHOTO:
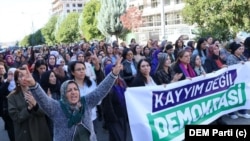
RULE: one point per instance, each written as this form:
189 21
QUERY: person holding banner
72 114
143 77
237 57
182 65
164 73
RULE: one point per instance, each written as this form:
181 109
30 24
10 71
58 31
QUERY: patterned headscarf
73 112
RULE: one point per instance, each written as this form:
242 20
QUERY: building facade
62 7
151 15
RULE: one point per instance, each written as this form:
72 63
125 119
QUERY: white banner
160 113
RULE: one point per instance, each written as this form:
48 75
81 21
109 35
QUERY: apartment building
152 28
62 7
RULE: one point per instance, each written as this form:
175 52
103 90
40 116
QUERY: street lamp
162 20
32 26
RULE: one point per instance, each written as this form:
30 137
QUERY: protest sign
159 113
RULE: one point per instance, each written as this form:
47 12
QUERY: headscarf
73 112
49 65
12 84
9 63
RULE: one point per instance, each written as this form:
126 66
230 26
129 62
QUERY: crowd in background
87 65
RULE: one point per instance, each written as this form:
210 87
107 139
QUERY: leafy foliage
109 22
224 17
25 41
68 30
48 31
132 19
38 38
89 20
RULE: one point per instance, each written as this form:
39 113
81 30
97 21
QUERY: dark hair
38 64
139 74
125 52
18 87
71 69
198 47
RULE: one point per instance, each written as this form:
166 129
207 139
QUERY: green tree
109 22
38 37
48 31
68 31
89 20
224 17
25 41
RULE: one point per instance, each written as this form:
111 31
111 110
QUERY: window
154 3
74 5
67 5
166 2
68 11
157 20
177 19
178 1
148 21
141 7
80 10
79 5
74 10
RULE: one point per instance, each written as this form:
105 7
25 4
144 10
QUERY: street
102 135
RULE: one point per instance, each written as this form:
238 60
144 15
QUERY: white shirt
84 90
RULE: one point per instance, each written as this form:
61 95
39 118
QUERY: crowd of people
59 93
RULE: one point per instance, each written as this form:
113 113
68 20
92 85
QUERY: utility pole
162 20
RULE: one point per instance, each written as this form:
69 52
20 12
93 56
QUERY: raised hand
94 58
26 76
29 99
118 67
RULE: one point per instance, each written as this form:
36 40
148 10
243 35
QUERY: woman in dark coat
28 119
143 77
114 109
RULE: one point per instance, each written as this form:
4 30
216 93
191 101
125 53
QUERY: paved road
3 133
102 134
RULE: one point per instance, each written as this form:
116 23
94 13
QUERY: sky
17 16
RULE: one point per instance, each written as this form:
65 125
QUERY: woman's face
72 93
146 51
52 60
180 44
41 69
109 50
129 55
23 59
39 57
167 62
79 71
239 51
20 80
138 49
145 68
9 59
52 78
197 61
216 50
67 57
204 45
210 40
18 59
185 59
80 58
